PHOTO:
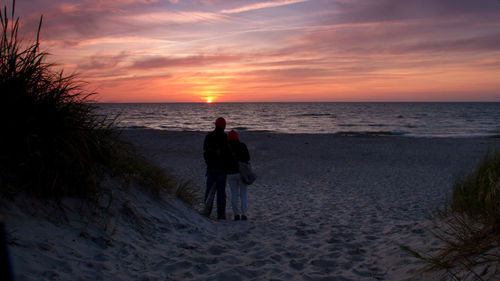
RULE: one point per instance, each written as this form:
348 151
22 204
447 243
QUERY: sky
276 50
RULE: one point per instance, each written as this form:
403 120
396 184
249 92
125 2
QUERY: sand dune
324 207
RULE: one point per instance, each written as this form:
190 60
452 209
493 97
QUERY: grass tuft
469 227
478 194
188 194
133 167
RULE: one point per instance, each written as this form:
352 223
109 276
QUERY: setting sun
209 99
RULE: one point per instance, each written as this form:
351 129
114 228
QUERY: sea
388 119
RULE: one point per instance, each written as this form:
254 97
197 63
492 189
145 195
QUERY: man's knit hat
221 123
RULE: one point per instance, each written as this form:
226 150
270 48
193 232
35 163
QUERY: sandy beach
324 207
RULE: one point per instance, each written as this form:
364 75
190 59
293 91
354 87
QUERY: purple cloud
191 61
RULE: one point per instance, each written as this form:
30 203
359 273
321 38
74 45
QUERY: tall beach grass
468 228
53 144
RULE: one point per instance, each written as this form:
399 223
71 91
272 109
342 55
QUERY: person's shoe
243 218
237 217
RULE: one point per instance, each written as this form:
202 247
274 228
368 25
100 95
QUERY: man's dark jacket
215 149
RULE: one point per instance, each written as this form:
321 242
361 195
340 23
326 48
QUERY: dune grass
133 167
50 135
469 227
53 143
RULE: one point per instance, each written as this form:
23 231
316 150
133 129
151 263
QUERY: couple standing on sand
222 152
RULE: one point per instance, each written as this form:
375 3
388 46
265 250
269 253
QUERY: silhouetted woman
239 153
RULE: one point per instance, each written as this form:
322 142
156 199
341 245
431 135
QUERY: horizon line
223 102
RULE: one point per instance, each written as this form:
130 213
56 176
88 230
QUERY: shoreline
340 134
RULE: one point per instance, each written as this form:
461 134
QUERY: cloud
484 43
297 74
114 4
101 62
80 20
261 5
356 11
411 37
174 17
191 61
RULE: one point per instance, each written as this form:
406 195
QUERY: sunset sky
277 50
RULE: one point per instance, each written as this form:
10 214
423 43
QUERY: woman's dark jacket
239 153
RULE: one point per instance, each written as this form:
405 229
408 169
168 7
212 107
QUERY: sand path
324 207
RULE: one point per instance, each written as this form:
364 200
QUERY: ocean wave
378 125
313 115
168 127
371 133
410 126
134 127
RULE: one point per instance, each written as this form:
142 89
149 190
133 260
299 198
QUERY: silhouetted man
216 154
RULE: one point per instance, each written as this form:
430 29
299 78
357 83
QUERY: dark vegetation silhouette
469 227
53 143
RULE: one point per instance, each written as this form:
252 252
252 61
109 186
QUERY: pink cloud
157 18
261 5
190 61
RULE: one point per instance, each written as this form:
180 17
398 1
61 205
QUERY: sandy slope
323 208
